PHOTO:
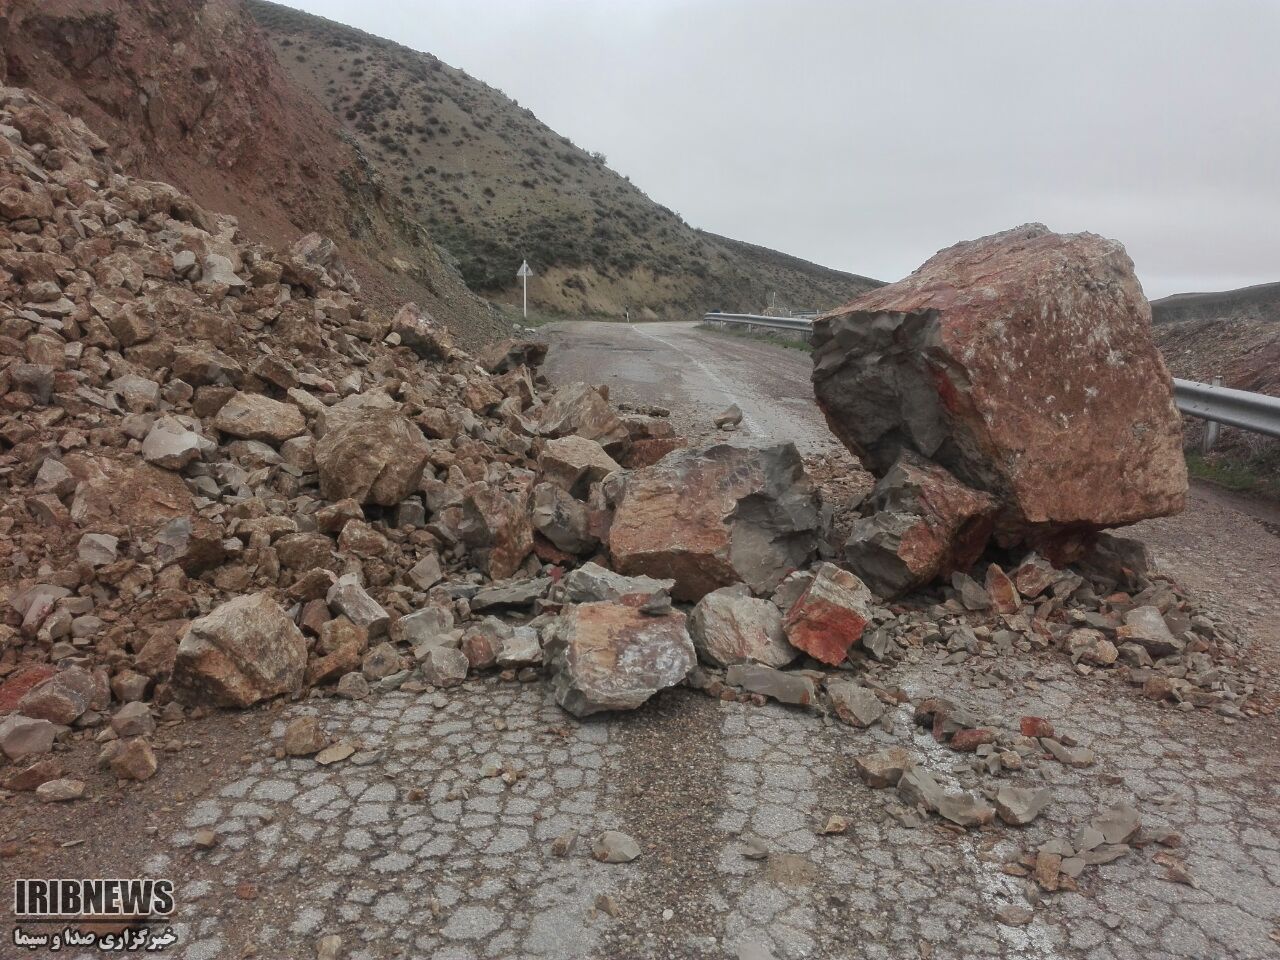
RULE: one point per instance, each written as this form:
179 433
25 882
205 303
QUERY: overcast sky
867 135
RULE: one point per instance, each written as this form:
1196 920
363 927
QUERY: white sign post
524 273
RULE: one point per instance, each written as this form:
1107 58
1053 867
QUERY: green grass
1237 475
791 343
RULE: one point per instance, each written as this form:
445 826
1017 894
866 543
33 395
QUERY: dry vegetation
495 185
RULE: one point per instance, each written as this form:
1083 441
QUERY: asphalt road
435 839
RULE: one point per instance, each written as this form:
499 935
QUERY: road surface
435 839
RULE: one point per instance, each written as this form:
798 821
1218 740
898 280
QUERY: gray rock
730 626
57 791
521 648
1146 626
246 650
854 703
1018 806
1117 824
173 445
793 688
919 788
98 549
964 810
444 666
512 593
884 768
426 572
133 720
349 598
613 846
609 656
562 519
353 686
25 737
380 662
714 516
304 737
422 626
592 582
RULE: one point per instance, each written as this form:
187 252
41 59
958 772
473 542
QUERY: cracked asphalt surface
435 839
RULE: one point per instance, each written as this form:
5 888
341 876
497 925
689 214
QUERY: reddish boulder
830 615
1023 363
716 516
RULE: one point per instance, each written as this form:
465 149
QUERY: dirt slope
190 92
495 186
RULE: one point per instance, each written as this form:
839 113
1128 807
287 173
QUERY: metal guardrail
755 320
1255 412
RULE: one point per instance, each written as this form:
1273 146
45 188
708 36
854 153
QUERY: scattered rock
614 847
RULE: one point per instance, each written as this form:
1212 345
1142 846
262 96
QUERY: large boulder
246 650
925 525
371 457
611 656
574 463
507 355
730 626
1023 363
716 516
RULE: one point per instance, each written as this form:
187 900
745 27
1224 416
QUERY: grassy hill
494 186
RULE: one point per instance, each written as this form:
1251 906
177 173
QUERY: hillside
190 92
495 185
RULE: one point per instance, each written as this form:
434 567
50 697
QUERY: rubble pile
225 483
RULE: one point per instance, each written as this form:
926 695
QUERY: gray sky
867 135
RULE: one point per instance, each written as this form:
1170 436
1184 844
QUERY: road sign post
524 273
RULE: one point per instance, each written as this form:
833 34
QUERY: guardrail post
1211 428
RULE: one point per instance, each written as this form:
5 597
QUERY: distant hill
1234 334
494 185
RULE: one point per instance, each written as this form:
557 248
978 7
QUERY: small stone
729 418
445 666
381 662
329 948
884 768
56 791
304 736
562 844
24 736
133 760
1018 806
784 687
1013 916
204 839
133 720
336 753
835 824
854 704
353 686
615 847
